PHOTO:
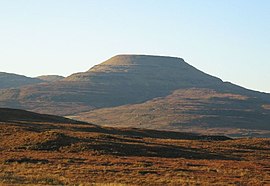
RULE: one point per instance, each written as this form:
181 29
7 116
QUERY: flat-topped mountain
138 79
9 80
151 72
123 79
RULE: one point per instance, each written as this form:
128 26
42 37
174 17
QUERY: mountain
141 79
8 80
50 78
123 79
36 150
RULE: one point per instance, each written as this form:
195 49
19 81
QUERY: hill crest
11 80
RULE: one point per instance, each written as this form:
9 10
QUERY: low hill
50 78
10 116
197 110
8 80
16 115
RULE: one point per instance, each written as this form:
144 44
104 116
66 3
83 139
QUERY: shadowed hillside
16 115
8 80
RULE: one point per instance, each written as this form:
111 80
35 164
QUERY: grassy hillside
198 110
49 153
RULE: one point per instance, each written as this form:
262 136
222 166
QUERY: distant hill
8 80
140 79
50 78
190 110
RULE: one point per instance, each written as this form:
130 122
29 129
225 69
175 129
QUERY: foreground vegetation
44 153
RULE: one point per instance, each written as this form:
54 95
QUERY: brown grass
76 154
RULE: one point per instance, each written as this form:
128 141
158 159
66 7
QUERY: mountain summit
126 79
148 71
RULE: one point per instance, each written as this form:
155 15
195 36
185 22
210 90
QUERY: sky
229 39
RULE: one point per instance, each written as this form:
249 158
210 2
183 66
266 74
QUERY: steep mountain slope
50 78
197 110
8 80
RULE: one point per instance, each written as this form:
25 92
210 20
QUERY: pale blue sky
226 38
